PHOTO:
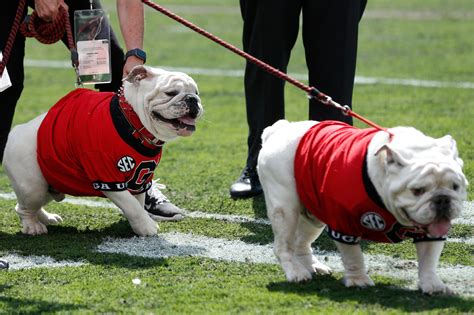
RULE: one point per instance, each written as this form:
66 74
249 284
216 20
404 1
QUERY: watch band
137 52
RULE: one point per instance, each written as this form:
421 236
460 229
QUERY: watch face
141 54
137 53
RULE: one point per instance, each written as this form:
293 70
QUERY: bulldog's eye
418 191
172 93
455 187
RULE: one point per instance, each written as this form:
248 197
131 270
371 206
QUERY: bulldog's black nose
441 204
193 105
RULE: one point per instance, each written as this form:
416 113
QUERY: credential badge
126 164
372 221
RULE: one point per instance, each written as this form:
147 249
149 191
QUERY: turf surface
407 39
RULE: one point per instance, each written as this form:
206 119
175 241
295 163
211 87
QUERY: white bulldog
362 184
100 144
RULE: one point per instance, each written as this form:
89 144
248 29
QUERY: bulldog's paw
295 272
48 218
145 227
357 281
433 285
313 265
321 268
32 227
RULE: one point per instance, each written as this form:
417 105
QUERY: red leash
44 32
12 35
312 91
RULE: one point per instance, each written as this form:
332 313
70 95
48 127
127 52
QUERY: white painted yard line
467 215
60 64
460 278
464 240
18 262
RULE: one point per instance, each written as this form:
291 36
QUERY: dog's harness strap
139 131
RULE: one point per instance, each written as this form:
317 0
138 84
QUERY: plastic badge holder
93 46
5 82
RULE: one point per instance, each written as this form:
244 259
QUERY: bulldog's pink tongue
439 228
186 131
188 120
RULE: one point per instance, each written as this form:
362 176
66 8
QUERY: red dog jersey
333 184
85 146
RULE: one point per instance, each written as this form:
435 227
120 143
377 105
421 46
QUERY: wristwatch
137 52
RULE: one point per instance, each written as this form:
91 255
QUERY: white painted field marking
459 278
60 64
18 262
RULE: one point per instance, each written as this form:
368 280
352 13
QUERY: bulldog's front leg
355 274
428 256
133 210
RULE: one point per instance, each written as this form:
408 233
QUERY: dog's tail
267 132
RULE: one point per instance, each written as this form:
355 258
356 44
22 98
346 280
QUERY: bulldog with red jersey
378 185
100 144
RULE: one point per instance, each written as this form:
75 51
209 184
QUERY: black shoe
4 264
247 185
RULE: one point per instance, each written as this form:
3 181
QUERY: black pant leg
330 32
269 33
10 97
116 53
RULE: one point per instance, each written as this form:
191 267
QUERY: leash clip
75 65
345 110
78 83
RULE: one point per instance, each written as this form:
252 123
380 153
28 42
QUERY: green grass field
75 268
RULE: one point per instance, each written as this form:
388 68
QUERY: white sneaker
159 207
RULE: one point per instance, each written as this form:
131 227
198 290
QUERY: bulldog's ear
392 156
450 148
448 143
137 74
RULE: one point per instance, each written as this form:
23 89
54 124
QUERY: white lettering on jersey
372 221
126 164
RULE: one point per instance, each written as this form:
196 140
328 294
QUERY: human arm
131 19
48 9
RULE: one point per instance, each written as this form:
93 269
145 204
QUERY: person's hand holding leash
48 9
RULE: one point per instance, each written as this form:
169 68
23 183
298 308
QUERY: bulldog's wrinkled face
425 184
166 102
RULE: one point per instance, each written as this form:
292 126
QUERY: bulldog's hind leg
283 210
275 169
284 224
25 175
307 232
31 200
